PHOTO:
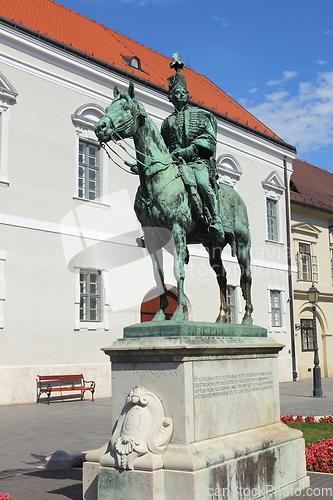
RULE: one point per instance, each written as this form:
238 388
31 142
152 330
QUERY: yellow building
311 197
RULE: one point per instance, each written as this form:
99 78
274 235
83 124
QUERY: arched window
229 170
132 61
91 177
7 98
151 302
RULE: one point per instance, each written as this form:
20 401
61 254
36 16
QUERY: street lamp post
313 297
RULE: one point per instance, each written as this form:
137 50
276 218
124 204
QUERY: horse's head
121 118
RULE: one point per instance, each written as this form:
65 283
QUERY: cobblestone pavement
30 432
296 398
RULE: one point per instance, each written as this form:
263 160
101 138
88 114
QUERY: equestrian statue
179 200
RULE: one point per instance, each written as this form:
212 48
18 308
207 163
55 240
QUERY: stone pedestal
222 395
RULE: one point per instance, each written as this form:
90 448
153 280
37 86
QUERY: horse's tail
234 216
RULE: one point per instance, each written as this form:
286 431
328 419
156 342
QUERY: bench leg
88 389
48 393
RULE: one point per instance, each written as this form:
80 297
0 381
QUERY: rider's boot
215 227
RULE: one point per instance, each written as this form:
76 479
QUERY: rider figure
190 135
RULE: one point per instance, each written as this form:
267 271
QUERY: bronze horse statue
164 208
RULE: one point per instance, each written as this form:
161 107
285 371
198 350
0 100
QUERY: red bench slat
46 384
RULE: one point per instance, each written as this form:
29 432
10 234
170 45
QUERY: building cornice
311 207
303 294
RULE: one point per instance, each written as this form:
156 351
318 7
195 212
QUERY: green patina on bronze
190 136
172 328
179 201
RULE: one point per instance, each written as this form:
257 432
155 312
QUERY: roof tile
311 185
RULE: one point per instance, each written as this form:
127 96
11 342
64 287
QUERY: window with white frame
272 220
90 174
307 334
134 62
228 169
305 239
88 171
307 268
274 189
275 303
231 301
90 295
304 262
7 98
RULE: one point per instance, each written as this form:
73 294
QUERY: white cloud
253 90
273 82
223 21
305 119
246 103
320 62
286 75
277 96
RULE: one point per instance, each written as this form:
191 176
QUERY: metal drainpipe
290 281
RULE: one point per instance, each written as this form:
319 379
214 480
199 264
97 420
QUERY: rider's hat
177 79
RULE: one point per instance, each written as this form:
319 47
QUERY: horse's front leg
179 237
157 260
156 254
216 264
243 256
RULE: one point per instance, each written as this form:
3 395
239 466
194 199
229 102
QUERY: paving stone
31 432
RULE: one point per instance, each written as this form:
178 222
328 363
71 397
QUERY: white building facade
72 271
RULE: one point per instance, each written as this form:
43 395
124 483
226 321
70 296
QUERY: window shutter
314 268
299 266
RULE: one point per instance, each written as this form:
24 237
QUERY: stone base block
257 464
118 484
90 480
219 387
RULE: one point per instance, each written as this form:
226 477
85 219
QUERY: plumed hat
178 79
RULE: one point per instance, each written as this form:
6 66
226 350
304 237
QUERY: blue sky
275 57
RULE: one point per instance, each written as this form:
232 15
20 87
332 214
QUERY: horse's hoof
159 316
247 320
221 319
178 315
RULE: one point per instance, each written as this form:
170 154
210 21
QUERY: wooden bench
49 384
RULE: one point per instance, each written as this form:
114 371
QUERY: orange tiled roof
311 185
72 29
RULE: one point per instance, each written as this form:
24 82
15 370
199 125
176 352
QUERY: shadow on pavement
42 484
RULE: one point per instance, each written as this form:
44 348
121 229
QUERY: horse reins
104 145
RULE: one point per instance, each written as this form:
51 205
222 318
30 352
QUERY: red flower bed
319 456
328 419
300 418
